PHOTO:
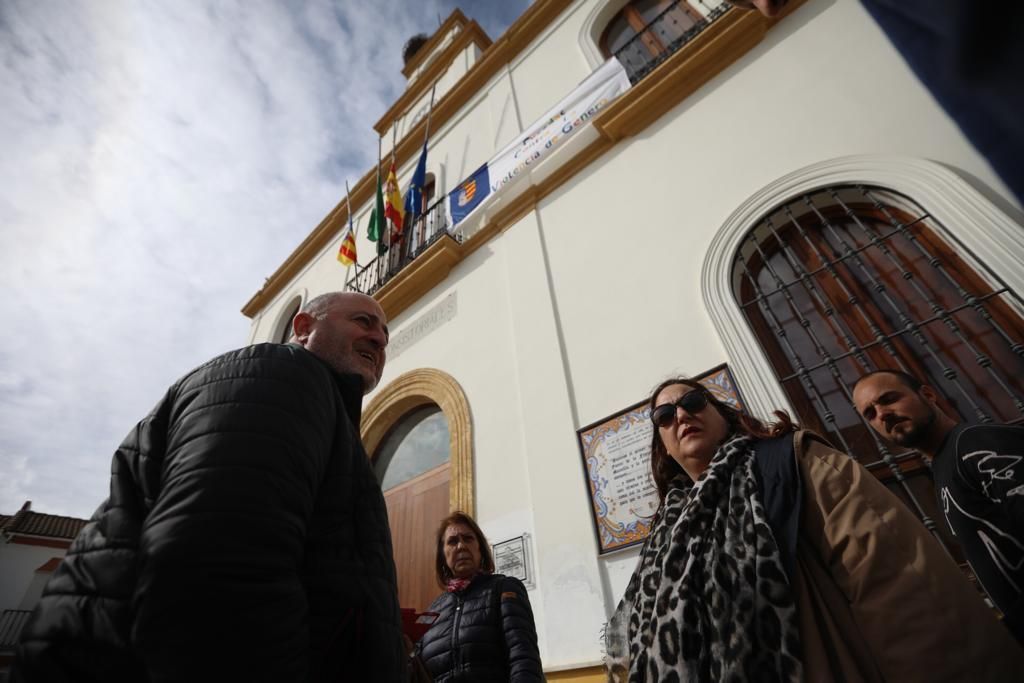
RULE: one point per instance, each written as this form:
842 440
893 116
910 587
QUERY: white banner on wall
595 93
537 142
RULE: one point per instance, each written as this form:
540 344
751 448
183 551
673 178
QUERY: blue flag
469 194
409 203
414 197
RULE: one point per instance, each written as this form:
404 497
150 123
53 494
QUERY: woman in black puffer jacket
485 631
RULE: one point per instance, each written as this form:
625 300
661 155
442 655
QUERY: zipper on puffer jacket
456 650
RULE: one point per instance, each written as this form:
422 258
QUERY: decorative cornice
471 34
522 31
419 277
456 18
412 390
707 55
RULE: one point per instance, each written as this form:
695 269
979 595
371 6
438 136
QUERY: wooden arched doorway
423 479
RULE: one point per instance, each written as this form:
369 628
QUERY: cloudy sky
161 158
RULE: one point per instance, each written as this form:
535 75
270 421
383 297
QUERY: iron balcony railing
431 226
665 35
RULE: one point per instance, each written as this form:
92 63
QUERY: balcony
663 36
418 237
662 72
410 268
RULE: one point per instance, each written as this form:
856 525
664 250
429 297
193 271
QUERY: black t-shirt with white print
979 481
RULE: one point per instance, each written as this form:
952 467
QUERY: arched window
851 278
417 232
429 187
417 444
412 464
284 325
646 29
403 419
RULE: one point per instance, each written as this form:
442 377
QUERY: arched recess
412 390
283 326
599 18
993 237
592 28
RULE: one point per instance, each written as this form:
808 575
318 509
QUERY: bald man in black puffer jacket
245 537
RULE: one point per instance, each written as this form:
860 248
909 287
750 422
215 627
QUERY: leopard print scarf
709 599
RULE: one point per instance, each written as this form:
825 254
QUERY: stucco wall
580 308
18 564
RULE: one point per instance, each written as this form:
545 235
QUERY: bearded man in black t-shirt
979 479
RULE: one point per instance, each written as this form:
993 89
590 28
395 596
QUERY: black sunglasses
692 402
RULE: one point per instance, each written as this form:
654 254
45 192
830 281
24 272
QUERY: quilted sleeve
520 632
906 596
219 590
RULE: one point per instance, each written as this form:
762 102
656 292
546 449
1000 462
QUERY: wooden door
415 508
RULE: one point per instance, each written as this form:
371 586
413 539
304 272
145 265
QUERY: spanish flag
347 252
393 204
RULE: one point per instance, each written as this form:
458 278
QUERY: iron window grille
640 47
854 278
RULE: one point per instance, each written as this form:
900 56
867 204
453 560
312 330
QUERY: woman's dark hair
664 468
459 517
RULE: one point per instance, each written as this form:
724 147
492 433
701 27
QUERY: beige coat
878 598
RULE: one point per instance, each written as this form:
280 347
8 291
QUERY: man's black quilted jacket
245 538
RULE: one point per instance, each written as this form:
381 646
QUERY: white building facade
620 259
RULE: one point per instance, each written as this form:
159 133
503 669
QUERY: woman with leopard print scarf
775 558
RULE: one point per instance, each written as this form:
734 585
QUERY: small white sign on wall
512 558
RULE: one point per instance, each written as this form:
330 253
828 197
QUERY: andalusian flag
393 204
378 223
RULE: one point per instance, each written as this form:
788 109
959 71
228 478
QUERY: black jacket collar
350 385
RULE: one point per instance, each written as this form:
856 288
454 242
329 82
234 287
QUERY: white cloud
160 160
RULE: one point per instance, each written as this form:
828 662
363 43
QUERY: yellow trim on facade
707 55
418 388
679 76
456 18
520 34
419 277
591 674
471 34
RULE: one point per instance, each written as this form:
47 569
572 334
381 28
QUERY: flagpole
380 219
430 112
351 225
426 136
348 202
399 228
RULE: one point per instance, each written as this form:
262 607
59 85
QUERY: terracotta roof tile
11 623
31 523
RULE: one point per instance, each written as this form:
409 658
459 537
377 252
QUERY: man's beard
917 434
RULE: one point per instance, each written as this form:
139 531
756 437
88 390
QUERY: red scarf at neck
458 585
